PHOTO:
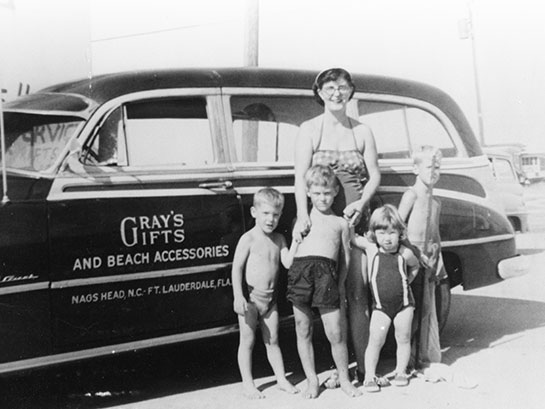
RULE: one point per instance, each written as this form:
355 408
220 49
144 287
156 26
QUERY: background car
510 191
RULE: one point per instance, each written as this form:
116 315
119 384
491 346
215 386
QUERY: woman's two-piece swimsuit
310 279
389 283
349 166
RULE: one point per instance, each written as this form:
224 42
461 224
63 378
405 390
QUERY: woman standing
346 145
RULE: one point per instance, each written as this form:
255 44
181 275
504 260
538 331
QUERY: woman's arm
303 160
371 162
353 210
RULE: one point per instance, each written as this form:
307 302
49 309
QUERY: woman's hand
352 212
301 228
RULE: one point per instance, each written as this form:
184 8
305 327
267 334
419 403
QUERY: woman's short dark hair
331 74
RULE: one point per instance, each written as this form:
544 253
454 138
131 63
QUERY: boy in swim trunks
317 277
421 210
391 268
256 264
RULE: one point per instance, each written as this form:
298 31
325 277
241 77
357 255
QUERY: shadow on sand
478 322
475 323
143 375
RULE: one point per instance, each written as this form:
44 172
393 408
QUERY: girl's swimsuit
349 166
389 283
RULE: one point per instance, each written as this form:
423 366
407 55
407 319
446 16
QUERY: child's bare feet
350 389
286 386
313 389
251 392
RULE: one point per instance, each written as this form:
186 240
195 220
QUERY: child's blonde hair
426 151
319 175
383 218
270 196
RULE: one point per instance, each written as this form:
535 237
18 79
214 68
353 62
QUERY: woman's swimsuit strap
322 132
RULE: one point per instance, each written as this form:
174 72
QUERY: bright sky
416 39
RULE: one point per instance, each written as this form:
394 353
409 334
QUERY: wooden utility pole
467 30
251 34
250 129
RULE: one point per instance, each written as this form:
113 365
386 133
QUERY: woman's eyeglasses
342 89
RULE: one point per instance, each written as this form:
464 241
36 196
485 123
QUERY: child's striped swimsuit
389 283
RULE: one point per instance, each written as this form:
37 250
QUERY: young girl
391 268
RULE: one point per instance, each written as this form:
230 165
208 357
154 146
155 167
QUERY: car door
144 225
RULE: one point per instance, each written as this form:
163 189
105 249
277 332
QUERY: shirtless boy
256 265
421 210
316 279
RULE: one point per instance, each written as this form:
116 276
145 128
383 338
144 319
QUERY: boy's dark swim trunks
312 282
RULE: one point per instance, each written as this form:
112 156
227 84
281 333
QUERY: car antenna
5 198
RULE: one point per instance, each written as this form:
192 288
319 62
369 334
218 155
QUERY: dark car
127 194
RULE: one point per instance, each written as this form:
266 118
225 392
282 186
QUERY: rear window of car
35 141
399 129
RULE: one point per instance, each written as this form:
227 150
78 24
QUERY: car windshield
34 141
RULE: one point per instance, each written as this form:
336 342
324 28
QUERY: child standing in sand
256 264
316 280
391 268
421 210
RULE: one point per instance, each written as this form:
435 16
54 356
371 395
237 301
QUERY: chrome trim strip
482 240
23 288
129 193
31 173
451 194
3 154
49 112
266 91
114 349
250 190
112 177
259 172
454 165
79 282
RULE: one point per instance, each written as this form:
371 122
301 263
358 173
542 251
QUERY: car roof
102 88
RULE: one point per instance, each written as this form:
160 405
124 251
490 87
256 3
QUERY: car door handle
226 185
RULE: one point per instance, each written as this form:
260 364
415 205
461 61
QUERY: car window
158 132
503 170
34 141
265 127
399 129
